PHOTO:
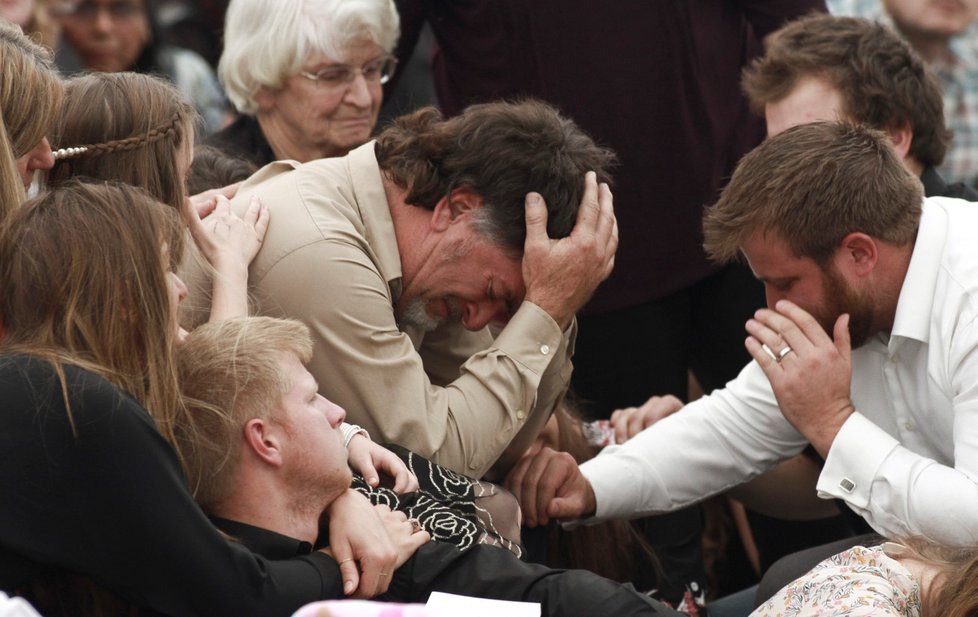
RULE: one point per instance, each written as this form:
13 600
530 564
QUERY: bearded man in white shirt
868 350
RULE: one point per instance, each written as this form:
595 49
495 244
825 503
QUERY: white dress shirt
907 460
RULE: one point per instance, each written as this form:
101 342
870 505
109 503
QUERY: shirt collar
371 199
916 302
268 544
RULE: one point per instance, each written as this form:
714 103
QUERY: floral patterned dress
451 507
857 582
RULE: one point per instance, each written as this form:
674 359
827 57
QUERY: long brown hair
131 128
954 591
83 280
30 93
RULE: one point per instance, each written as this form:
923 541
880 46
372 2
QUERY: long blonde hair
30 94
84 283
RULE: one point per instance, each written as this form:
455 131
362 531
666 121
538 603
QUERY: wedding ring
346 560
784 352
415 525
768 351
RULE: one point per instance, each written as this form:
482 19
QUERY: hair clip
68 153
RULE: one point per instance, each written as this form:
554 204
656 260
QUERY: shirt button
519 414
847 485
472 465
908 426
545 349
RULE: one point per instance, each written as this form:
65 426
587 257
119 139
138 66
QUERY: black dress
103 495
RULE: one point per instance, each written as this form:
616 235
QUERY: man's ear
263 439
901 136
858 254
454 206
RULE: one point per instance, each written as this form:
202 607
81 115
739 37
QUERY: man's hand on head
561 275
549 485
810 373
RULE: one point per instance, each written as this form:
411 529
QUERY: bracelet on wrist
350 431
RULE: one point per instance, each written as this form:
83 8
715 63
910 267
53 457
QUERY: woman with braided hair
96 512
138 129
130 127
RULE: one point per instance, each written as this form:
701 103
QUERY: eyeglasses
341 76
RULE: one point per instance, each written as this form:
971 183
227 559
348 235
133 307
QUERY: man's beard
312 487
841 298
416 314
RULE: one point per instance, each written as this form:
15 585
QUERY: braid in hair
167 129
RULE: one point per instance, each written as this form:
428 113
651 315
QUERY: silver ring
415 525
784 352
770 352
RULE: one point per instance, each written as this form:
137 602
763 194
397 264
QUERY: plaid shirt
958 77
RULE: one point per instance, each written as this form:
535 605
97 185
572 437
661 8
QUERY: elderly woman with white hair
305 75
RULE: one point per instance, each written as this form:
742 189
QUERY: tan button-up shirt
330 259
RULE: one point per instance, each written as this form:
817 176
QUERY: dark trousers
491 572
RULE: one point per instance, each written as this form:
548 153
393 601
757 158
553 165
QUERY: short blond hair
230 372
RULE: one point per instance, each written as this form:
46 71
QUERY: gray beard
416 315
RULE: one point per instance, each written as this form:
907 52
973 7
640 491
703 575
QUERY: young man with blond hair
272 446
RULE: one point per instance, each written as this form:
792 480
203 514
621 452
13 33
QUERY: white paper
451 605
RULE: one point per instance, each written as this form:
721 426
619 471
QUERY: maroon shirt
656 80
